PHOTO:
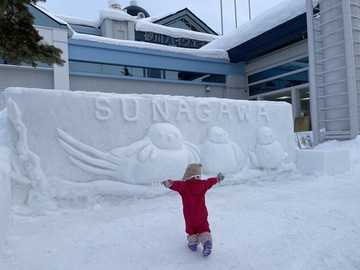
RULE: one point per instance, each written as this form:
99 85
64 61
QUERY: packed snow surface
269 219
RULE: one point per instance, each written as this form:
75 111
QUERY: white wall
128 86
2 99
20 76
235 87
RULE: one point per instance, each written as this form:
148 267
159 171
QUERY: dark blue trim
281 36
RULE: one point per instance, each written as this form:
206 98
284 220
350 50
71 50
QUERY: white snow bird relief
160 155
268 154
219 153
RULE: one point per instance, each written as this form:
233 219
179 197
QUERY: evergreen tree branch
20 42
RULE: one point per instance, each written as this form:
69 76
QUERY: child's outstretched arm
175 185
167 183
214 180
220 177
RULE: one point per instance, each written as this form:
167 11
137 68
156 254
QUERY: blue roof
280 36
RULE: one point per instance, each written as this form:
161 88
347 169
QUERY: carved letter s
103 111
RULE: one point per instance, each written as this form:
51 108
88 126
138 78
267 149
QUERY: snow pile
212 53
110 13
263 220
5 191
73 20
140 25
277 15
106 13
145 26
269 218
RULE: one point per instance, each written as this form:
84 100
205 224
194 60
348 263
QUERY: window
279 70
120 71
283 76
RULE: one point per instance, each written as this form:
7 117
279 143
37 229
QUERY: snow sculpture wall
5 189
141 139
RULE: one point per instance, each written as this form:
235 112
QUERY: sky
208 11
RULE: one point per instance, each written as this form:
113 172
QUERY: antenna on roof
222 17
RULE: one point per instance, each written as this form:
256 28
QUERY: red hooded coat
193 197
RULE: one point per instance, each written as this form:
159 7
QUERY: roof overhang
280 36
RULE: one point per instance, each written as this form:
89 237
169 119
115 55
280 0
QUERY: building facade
124 53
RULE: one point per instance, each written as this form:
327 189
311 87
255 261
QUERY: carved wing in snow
92 160
194 151
239 156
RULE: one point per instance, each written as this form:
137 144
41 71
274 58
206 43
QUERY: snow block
322 161
5 197
142 139
5 184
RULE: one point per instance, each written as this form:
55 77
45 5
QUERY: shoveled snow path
286 222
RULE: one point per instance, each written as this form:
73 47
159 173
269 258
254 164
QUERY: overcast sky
207 10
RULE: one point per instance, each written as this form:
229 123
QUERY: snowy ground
269 220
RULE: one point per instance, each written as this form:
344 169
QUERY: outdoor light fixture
283 97
207 89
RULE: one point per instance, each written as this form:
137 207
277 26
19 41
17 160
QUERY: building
304 52
307 53
125 53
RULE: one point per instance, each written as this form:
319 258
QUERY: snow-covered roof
277 15
51 15
281 13
211 53
106 13
145 25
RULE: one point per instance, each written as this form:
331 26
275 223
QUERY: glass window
85 67
38 63
304 102
279 83
276 71
171 75
279 78
111 69
120 70
137 72
153 73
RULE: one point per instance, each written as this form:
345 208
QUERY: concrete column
61 73
334 65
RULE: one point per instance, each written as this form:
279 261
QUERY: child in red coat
192 190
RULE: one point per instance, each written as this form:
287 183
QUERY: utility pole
235 13
249 10
222 19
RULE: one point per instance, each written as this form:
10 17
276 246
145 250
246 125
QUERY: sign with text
142 139
169 40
